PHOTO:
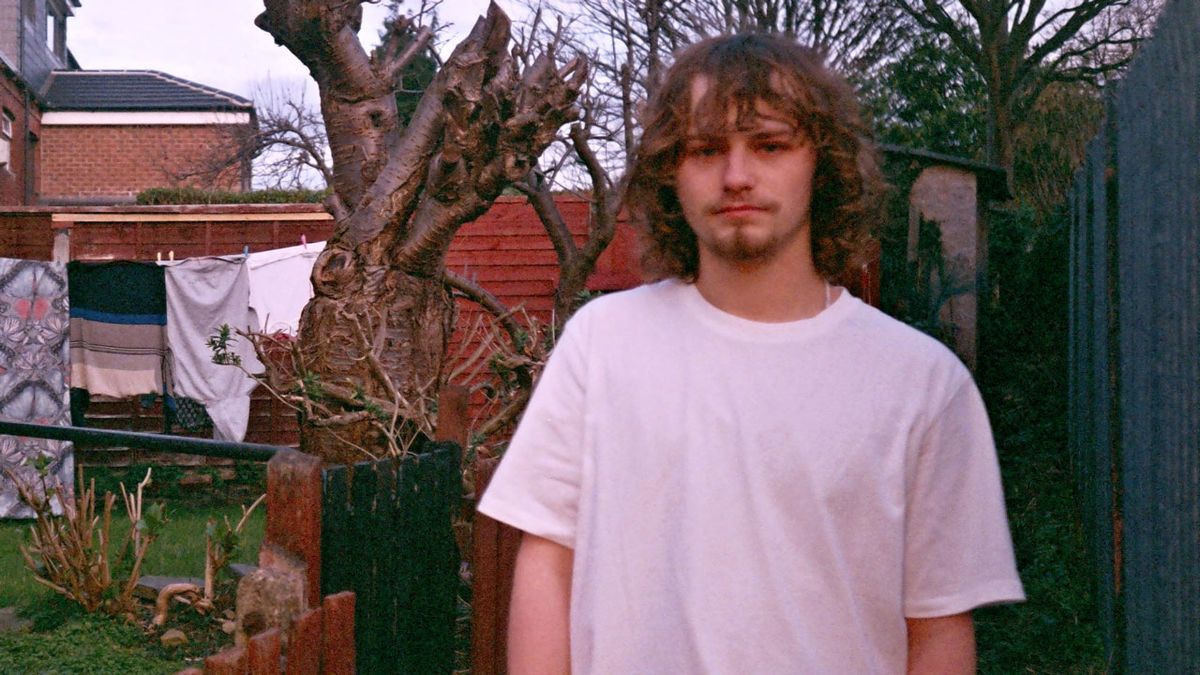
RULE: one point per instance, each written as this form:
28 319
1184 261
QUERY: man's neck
786 288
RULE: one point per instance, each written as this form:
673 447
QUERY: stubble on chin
743 249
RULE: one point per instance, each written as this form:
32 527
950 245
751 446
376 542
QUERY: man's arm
943 645
538 638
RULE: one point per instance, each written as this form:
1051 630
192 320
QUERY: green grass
65 640
83 644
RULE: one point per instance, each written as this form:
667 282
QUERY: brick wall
117 162
12 175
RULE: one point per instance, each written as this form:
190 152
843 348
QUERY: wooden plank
304 644
337 634
338 548
367 619
232 661
384 553
453 422
485 583
263 652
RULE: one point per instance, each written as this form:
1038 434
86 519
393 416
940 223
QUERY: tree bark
378 327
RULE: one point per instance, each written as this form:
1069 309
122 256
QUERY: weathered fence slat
263 652
369 616
232 661
337 545
304 644
493 559
337 634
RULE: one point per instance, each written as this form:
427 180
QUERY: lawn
64 640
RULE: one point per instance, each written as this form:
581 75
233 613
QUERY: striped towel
118 327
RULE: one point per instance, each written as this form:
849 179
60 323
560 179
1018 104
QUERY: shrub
190 195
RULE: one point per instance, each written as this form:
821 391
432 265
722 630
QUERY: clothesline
139 328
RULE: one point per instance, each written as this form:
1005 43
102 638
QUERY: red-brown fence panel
337 634
264 651
304 644
232 661
492 562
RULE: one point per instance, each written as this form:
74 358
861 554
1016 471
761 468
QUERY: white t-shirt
748 497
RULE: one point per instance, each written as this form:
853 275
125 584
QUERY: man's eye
704 150
774 147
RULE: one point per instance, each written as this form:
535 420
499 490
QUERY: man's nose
738 173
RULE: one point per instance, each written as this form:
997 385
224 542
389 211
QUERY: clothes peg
158 256
304 241
171 255
246 251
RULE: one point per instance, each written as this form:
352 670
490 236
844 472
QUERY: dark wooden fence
1135 354
387 535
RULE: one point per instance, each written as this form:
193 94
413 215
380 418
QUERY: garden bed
63 638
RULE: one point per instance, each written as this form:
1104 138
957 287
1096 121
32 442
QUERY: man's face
746 189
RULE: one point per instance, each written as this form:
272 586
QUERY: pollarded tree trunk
376 333
358 306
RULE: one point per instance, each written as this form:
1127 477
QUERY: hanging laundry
34 328
118 328
280 285
204 294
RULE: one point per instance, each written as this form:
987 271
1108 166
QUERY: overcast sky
213 42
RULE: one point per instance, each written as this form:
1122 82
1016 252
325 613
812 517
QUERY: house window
6 134
56 26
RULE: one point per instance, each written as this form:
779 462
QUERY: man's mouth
737 208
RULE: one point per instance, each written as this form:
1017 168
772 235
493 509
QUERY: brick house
75 136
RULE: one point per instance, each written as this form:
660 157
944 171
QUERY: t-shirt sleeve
958 553
536 486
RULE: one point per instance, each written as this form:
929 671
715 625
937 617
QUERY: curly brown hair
742 70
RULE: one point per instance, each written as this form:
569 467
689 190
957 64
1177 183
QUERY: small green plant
219 344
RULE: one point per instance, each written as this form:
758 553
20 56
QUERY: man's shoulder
645 299
900 344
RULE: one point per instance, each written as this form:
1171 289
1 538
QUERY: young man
742 469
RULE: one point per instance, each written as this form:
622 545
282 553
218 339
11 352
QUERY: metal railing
107 438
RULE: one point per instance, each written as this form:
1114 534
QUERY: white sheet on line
202 295
280 285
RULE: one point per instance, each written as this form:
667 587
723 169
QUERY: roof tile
135 90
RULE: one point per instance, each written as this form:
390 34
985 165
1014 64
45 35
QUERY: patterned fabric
33 372
118 328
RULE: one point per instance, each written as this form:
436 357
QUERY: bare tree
285 145
380 322
1020 47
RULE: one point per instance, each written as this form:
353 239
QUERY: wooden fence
375 546
1134 368
322 639
387 535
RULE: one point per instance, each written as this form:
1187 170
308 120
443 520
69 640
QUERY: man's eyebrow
772 133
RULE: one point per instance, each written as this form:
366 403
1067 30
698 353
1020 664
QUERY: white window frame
6 137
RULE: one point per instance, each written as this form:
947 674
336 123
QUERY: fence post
493 560
453 418
292 539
